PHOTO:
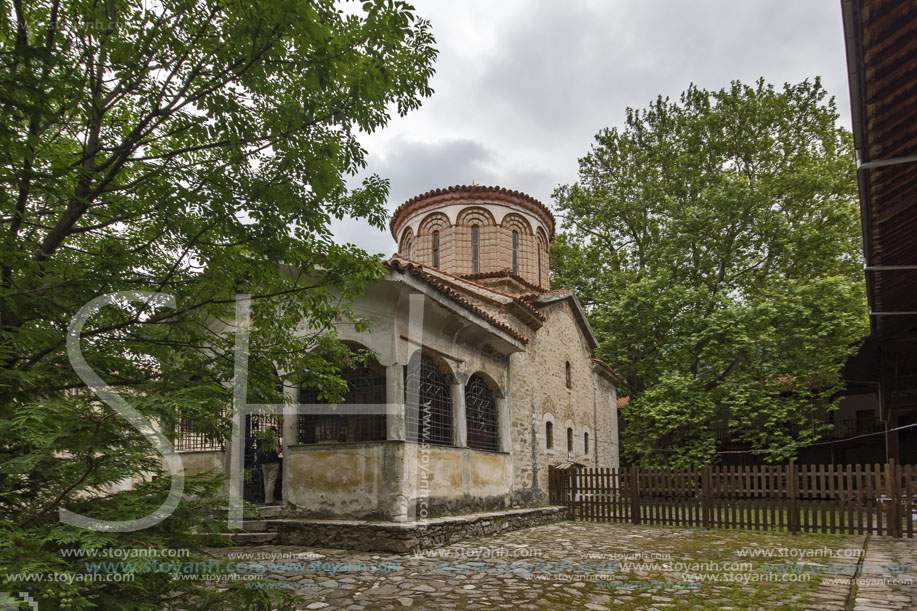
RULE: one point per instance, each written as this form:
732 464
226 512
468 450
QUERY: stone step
269 511
251 538
255 526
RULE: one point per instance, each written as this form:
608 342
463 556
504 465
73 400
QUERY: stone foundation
406 537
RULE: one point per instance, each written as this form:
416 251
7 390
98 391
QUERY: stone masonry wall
540 394
409 537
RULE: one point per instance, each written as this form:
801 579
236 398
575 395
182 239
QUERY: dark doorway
253 483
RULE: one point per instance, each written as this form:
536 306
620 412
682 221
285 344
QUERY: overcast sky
523 86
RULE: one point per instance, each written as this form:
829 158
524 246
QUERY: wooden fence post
572 483
635 494
894 499
706 480
792 517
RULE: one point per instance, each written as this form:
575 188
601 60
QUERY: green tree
715 243
198 149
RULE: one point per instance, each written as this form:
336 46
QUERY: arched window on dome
475 259
407 244
515 252
435 249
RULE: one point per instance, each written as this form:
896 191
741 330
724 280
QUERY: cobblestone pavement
582 566
886 580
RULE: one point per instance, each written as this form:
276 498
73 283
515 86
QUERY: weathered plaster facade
472 303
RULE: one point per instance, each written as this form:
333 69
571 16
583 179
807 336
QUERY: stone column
396 489
504 424
459 424
394 400
290 437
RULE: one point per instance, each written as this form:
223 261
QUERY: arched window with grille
365 386
428 402
435 249
569 439
585 443
481 415
549 435
569 375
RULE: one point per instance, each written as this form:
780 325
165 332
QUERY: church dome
470 230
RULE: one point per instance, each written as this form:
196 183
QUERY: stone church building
483 376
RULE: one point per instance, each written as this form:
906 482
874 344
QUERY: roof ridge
473 189
561 290
530 308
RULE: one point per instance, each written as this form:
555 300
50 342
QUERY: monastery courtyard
579 565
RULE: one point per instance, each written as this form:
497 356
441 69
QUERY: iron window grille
428 403
549 435
366 386
189 437
481 415
569 440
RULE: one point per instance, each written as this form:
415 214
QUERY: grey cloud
414 167
566 68
522 87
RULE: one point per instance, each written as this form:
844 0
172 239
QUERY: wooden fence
858 499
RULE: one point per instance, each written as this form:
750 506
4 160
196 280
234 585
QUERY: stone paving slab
573 565
887 577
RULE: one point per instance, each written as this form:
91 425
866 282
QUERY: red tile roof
418 271
524 303
479 191
609 368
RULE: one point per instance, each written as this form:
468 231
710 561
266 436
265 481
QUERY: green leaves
200 150
715 241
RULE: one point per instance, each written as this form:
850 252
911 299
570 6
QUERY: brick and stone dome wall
438 228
